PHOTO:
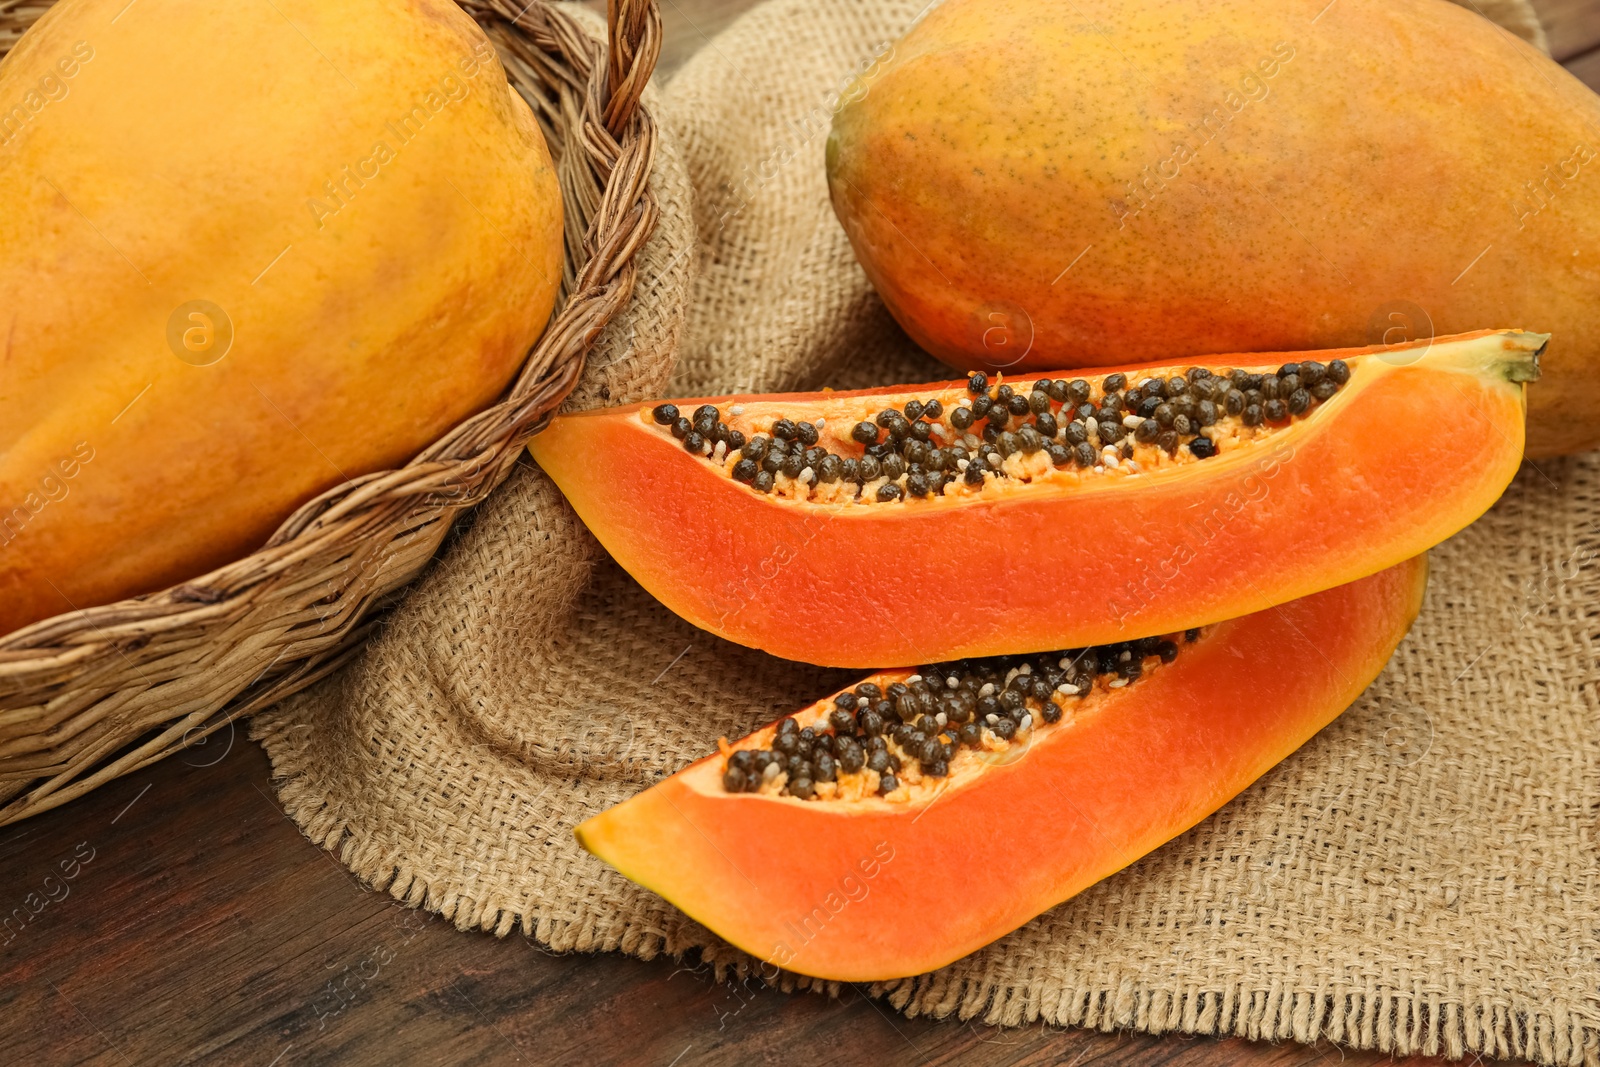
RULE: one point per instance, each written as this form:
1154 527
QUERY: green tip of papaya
1528 368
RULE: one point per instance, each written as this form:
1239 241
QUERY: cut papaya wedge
830 879
1106 505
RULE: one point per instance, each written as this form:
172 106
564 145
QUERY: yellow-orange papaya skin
352 189
1027 180
844 890
1420 442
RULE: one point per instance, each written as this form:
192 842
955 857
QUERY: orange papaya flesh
1417 443
843 888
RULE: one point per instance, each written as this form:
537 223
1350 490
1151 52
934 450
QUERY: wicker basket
94 694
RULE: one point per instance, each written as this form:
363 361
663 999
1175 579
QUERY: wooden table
186 920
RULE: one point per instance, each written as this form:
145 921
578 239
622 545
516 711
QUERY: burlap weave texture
1421 876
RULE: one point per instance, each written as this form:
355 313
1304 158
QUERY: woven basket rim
367 538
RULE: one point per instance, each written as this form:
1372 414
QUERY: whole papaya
1046 183
248 251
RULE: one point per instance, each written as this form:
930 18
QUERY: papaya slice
831 879
973 518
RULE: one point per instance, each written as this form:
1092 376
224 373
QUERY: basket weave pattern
91 695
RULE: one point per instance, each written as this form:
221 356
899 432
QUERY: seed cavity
1049 430
901 740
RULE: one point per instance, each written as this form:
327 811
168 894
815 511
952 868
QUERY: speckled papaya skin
843 890
248 251
1058 183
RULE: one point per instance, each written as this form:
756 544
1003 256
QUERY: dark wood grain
1572 26
1586 67
177 917
689 25
201 927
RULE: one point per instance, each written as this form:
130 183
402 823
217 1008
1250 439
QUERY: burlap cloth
1420 876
